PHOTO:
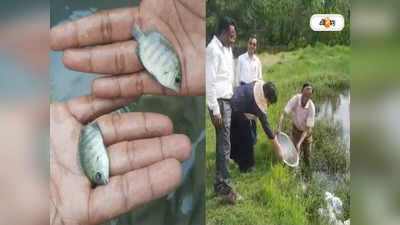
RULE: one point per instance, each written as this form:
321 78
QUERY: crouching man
302 109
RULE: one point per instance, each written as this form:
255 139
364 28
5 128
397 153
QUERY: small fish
159 58
93 154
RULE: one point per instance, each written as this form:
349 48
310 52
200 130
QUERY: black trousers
243 138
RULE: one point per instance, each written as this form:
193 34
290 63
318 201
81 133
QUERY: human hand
277 147
144 160
111 50
278 131
298 147
218 121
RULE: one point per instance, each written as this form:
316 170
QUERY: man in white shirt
302 109
219 90
249 65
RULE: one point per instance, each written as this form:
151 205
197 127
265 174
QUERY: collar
307 104
248 56
218 42
259 98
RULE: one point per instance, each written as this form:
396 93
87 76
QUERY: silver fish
93 155
159 58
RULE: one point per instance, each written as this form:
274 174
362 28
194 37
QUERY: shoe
230 198
221 189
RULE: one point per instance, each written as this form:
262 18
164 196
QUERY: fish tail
136 32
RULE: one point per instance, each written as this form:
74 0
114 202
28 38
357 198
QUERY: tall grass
275 193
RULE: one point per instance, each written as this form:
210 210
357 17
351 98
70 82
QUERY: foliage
330 154
280 194
278 24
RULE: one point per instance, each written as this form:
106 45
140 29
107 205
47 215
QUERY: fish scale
152 52
163 59
163 55
159 58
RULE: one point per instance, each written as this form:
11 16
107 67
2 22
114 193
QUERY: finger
128 85
220 122
130 155
86 108
133 189
114 58
100 28
130 126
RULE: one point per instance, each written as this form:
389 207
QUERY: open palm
101 43
144 160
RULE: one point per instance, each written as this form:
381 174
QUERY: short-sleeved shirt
303 116
243 101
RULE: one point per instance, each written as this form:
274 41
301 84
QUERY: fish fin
136 32
96 126
80 157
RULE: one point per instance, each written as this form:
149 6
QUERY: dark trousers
223 147
243 137
305 147
254 130
252 122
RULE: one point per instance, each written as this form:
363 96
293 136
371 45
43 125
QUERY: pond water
186 204
337 110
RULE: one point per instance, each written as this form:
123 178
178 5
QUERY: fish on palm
93 155
159 58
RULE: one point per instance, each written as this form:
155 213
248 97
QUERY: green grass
273 194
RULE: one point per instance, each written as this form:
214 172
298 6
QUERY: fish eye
98 176
177 80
